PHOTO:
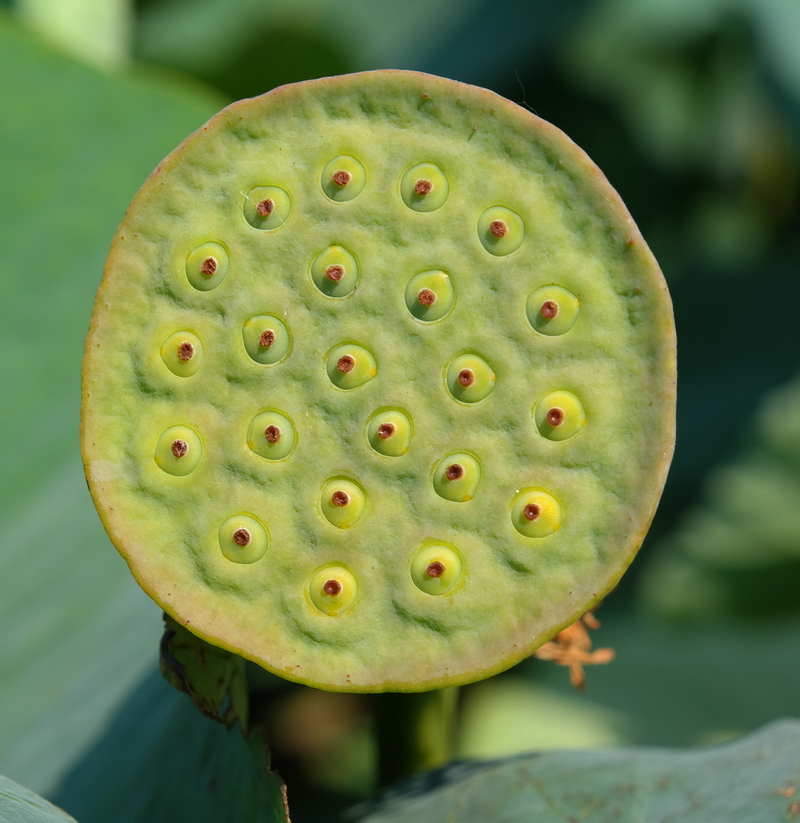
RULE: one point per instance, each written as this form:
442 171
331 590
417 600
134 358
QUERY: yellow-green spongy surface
257 330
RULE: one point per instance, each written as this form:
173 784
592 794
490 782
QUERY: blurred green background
692 110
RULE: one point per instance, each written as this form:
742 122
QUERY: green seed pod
335 272
271 435
178 451
342 502
207 266
243 539
430 295
389 432
350 366
435 569
424 188
266 339
343 178
456 477
333 590
267 207
552 310
559 415
470 378
461 379
536 513
182 353
501 230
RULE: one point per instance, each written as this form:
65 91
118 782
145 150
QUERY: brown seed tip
272 433
346 364
179 448
423 187
340 498
335 273
386 430
435 569
267 338
466 377
208 266
341 177
498 228
185 351
332 587
549 309
241 537
426 297
454 472
555 417
532 511
266 207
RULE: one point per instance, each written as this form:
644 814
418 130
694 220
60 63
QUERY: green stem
415 732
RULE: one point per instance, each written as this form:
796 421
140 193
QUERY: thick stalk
415 732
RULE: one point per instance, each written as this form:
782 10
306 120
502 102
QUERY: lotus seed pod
394 486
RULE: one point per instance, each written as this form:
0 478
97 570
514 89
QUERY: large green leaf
161 761
753 780
21 805
75 631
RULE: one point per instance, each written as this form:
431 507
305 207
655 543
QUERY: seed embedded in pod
470 378
267 208
178 451
501 231
207 266
180 448
333 590
535 513
266 339
350 366
335 272
552 310
182 353
430 295
456 477
389 432
424 187
342 502
243 539
559 415
271 435
343 178
435 569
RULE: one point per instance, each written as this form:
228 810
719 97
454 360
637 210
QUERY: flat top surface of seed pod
390 438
